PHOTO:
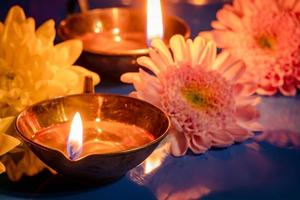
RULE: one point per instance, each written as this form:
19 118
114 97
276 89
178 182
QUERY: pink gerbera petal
253 31
246 113
221 138
179 143
239 134
200 144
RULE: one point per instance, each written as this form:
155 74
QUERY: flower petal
247 7
2 168
7 143
244 89
149 64
297 7
221 138
253 126
218 25
130 77
208 35
235 71
246 113
157 60
239 133
266 90
5 123
288 89
208 55
199 45
67 52
16 14
287 4
82 72
179 49
248 100
223 38
200 144
230 19
221 59
191 53
48 89
163 50
179 143
68 76
270 4
133 94
46 32
150 81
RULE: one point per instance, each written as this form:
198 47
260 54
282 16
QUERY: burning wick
74 143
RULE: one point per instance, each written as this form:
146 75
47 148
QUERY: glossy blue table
266 167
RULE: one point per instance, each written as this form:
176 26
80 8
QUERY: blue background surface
266 167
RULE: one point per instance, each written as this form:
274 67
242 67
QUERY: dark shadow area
46 185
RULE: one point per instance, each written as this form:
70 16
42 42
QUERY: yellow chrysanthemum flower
33 69
6 142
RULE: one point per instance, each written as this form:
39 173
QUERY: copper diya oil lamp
113 38
92 136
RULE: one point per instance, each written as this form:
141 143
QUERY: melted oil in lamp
113 38
92 136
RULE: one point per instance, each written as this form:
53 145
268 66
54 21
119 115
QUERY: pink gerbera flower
200 92
266 36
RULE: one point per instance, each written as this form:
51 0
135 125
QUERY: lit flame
154 20
74 143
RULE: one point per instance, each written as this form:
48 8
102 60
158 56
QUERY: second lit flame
75 139
154 20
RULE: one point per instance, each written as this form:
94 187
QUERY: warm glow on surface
198 2
154 20
152 163
149 167
74 143
155 159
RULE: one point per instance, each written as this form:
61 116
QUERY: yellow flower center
266 42
198 98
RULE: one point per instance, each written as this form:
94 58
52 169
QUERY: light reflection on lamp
98 27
